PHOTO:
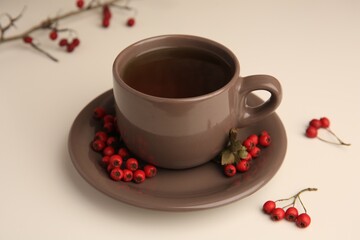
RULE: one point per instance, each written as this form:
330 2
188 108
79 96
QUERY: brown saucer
178 190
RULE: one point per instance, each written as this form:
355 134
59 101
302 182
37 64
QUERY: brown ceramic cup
179 133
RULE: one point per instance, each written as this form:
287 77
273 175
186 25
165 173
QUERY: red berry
311 132
106 12
111 141
99 112
242 166
264 133
63 42
123 152
109 127
109 118
115 160
100 135
277 214
116 174
75 42
105 160
254 138
229 170
291 214
269 206
53 35
28 39
325 122
98 145
150 171
249 144
265 140
106 22
316 123
128 175
109 168
108 151
139 176
255 152
248 157
303 220
130 22
70 48
132 164
80 3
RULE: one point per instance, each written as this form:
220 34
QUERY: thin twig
51 23
335 143
44 52
302 204
47 23
340 141
11 23
296 196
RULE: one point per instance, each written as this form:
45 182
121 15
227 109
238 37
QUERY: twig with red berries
291 214
237 156
51 24
322 123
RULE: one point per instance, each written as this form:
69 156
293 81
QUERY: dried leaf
235 146
227 157
243 153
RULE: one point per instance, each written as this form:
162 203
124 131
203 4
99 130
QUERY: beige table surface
312 47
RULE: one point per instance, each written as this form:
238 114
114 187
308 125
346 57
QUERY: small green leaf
243 153
227 157
242 148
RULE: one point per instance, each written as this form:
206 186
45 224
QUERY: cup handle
250 114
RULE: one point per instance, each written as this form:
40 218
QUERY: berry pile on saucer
237 157
116 158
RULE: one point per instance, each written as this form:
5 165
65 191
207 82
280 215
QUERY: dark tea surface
177 73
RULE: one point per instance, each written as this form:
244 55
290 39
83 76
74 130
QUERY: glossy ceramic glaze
180 133
177 190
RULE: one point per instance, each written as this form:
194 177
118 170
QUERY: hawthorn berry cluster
106 16
289 212
237 157
116 158
323 123
70 45
51 24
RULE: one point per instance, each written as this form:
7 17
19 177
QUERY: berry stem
295 197
285 199
306 189
51 23
47 23
11 23
44 52
340 141
302 204
290 204
335 143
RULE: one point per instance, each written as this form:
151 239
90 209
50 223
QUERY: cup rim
119 80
